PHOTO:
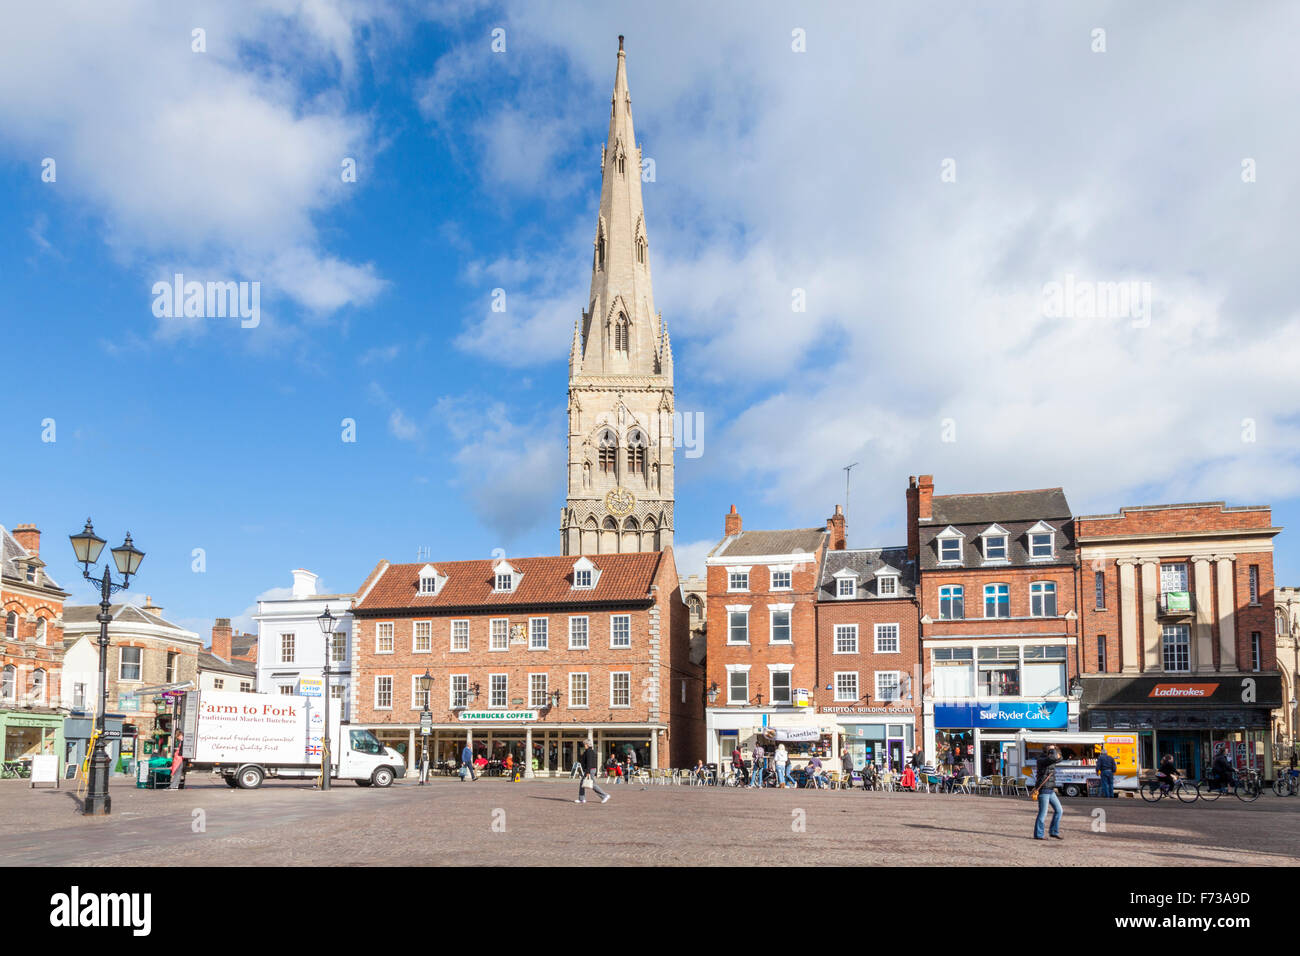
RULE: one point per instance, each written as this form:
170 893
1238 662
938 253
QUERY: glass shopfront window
954 746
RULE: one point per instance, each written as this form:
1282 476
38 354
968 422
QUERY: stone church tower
620 495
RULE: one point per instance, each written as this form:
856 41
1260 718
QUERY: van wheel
250 778
382 777
1071 790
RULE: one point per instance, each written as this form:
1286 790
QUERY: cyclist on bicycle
1167 774
1221 772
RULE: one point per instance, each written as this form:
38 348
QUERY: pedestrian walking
846 767
178 766
760 765
590 763
467 762
1045 792
1106 770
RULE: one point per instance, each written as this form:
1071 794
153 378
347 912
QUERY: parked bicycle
1245 786
1153 790
1287 783
15 770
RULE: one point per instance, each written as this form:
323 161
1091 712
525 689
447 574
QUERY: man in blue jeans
467 760
760 767
1106 770
1046 787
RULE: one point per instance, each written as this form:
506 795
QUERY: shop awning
794 734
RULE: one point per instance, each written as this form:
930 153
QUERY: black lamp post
326 622
426 722
87 547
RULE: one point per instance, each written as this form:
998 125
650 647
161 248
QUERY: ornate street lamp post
326 622
87 547
426 724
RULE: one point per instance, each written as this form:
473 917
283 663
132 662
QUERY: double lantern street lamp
87 547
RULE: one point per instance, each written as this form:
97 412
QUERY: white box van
248 737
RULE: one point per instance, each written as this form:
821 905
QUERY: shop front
881 735
1191 718
29 733
982 735
544 748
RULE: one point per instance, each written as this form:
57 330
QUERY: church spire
621 332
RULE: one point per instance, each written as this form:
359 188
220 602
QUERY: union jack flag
313 750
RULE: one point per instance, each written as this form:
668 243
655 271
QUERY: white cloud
511 471
222 159
690 555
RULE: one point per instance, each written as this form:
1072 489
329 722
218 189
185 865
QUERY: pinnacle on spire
575 350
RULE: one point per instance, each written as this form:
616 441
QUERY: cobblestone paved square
493 822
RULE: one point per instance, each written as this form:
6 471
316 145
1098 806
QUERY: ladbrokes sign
1252 690
1188 691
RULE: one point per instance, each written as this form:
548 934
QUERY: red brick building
1178 637
762 636
31 648
998 621
869 653
530 656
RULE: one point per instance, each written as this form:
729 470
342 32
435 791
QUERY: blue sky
925 345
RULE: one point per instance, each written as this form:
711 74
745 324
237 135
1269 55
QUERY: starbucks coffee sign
497 716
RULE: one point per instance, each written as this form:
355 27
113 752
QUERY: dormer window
846 583
1042 542
506 577
430 580
585 574
31 574
887 581
994 539
949 542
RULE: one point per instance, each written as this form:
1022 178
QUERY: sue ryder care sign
258 728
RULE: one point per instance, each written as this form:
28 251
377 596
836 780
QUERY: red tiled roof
623 578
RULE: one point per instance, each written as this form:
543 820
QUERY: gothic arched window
38 686
640 249
620 333
11 626
636 446
8 682
607 452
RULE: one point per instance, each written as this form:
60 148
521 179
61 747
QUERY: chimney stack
835 528
732 524
919 508
304 583
149 606
29 537
221 637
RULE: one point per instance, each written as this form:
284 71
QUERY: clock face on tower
620 502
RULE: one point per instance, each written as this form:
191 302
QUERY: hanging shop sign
310 686
1028 715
